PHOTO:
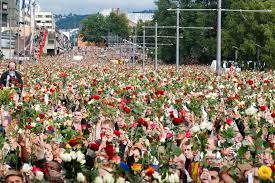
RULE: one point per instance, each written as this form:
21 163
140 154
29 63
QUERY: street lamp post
258 55
236 54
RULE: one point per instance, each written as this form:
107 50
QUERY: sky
93 6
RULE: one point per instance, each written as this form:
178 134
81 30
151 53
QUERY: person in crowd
12 78
13 176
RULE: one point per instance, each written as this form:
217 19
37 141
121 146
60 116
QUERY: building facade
45 20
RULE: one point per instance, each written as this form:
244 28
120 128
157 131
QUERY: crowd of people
90 121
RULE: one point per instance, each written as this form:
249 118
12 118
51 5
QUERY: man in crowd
12 78
14 177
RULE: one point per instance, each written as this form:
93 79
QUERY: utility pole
178 33
9 32
156 27
156 46
219 38
143 49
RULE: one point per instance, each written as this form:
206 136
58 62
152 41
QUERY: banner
23 4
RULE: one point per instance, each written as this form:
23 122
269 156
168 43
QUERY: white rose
147 143
162 140
26 168
176 177
251 111
195 128
37 108
108 178
120 180
157 176
171 179
98 180
80 177
83 162
68 157
79 156
203 125
39 175
73 155
63 157
46 99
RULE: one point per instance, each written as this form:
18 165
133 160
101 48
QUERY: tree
118 24
94 28
243 30
247 30
198 45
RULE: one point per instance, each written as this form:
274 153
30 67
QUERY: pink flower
188 134
115 159
134 125
153 126
169 135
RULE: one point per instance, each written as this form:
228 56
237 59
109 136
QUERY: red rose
73 142
172 114
117 133
63 75
35 169
177 121
160 92
140 121
96 97
150 171
52 90
29 120
127 109
145 123
273 114
262 108
266 81
250 82
41 116
50 128
229 121
28 126
109 149
94 146
188 134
